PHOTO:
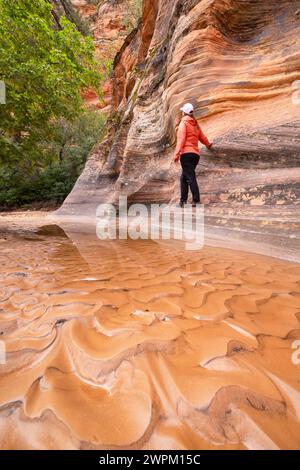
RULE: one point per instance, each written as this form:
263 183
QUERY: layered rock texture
238 62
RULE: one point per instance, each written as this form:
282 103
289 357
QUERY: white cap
187 108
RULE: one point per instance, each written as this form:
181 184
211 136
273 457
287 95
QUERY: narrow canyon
141 344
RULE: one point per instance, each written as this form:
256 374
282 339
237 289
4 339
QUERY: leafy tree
63 153
44 70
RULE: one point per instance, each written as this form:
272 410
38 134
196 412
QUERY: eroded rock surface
238 61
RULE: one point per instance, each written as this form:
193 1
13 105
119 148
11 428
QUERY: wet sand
141 345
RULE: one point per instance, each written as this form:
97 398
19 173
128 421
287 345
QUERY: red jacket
188 135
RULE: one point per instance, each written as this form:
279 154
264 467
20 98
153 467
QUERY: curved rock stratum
238 62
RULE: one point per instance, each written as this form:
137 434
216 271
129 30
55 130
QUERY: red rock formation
85 8
238 62
109 22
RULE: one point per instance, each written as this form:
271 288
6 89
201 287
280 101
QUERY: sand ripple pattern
139 345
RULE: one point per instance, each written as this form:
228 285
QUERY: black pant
189 161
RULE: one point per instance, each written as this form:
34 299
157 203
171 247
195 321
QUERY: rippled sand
146 346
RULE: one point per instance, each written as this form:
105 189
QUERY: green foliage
108 66
45 134
134 13
44 71
52 184
64 155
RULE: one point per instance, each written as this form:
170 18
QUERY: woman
187 149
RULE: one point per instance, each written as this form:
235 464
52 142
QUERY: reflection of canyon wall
237 61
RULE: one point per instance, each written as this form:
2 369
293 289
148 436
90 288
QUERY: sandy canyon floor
141 345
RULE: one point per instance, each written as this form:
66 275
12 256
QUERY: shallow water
136 344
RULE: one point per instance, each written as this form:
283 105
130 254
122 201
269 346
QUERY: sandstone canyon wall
238 62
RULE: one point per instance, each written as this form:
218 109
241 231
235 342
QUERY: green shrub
65 155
